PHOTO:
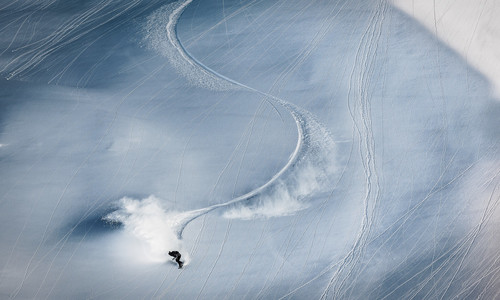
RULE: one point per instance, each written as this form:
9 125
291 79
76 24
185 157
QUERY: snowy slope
470 28
288 149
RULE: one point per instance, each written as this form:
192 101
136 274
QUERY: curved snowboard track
314 143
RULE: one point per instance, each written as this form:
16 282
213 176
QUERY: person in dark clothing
177 257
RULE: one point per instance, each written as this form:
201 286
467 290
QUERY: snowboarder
177 257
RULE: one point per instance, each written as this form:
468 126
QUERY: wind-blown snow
151 223
285 198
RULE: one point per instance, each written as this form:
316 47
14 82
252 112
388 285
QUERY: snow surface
288 149
471 28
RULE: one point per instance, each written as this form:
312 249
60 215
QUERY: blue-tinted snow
289 149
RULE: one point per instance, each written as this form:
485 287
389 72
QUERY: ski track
342 274
340 284
312 137
66 33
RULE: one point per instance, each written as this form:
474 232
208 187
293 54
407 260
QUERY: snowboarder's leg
177 257
178 260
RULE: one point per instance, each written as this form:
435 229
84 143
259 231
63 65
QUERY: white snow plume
311 172
161 36
310 169
151 224
285 198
